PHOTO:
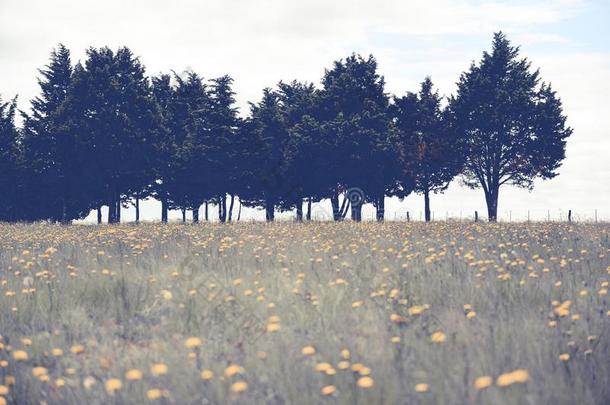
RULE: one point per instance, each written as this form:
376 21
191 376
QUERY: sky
260 42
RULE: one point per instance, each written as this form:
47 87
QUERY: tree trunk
196 214
207 218
224 208
299 205
344 207
183 215
164 210
334 200
137 210
99 214
380 209
111 211
239 211
491 198
118 210
308 215
270 210
357 212
427 205
231 207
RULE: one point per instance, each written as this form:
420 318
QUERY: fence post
476 216
569 215
408 217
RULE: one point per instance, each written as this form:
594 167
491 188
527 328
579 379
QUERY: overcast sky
259 42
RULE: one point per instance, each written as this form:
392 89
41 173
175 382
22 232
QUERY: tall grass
305 313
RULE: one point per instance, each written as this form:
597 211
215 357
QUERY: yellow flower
207 375
153 394
57 352
273 327
232 370
421 387
158 369
345 354
166 294
38 371
60 382
517 376
133 375
20 355
308 350
471 314
3 390
395 339
564 357
77 349
192 342
323 367
365 382
239 386
438 337
329 390
112 385
483 382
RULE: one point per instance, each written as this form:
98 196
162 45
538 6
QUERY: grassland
444 313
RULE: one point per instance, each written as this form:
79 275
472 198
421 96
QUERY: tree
267 137
50 170
163 96
222 150
110 104
512 124
355 115
10 162
299 108
430 155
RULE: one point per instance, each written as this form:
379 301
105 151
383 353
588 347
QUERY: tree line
103 133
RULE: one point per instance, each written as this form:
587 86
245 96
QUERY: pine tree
11 208
429 153
511 123
49 168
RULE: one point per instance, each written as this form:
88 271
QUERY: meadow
316 313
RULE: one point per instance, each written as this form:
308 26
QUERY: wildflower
38 371
308 350
192 342
564 357
421 387
158 369
207 375
273 327
232 370
153 394
365 382
112 385
483 382
20 355
329 390
166 294
60 382
517 376
438 337
3 390
133 375
77 349
57 352
239 386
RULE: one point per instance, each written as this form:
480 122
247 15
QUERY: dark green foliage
512 124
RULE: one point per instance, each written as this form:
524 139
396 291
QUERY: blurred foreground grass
443 313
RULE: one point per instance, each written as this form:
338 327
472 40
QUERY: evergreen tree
50 171
111 103
355 111
511 123
430 155
10 163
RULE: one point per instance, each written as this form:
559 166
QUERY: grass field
444 313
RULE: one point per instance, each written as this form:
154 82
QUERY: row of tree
102 133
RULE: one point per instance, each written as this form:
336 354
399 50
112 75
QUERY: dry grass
311 313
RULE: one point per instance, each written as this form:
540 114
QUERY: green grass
132 295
